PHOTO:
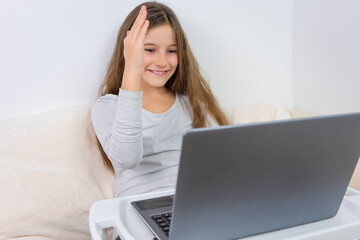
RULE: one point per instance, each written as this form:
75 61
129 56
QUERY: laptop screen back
237 181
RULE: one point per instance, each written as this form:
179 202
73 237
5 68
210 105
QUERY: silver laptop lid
237 181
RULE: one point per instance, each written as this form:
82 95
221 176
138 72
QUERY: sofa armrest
302 114
355 180
50 173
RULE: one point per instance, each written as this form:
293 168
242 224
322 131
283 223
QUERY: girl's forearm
130 81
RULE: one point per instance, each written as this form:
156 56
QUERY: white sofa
51 171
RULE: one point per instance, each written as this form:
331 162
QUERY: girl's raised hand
134 52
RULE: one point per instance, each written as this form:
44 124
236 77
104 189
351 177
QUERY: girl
153 92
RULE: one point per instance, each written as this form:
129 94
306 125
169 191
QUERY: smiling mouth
158 73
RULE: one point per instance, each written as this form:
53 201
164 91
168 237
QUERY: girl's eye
149 50
172 51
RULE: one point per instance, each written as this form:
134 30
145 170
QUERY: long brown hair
186 80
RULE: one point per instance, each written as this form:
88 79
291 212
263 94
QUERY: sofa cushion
50 173
258 113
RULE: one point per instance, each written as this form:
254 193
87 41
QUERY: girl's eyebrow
153 44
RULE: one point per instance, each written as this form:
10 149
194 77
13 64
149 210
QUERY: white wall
327 55
244 47
54 53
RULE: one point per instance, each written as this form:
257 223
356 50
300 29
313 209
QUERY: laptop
241 180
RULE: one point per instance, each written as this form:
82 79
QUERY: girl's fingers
139 22
143 31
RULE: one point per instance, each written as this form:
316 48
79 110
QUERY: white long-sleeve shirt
144 147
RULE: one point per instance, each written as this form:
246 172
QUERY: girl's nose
160 61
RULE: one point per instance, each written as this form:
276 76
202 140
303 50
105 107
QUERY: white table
118 213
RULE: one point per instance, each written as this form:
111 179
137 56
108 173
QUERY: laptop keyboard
163 221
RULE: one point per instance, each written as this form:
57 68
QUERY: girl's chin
154 83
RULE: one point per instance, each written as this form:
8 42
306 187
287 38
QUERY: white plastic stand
118 213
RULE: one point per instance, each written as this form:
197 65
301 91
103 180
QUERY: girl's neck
151 90
155 92
158 101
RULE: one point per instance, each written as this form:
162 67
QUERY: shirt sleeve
118 126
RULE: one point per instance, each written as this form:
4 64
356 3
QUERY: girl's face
160 56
